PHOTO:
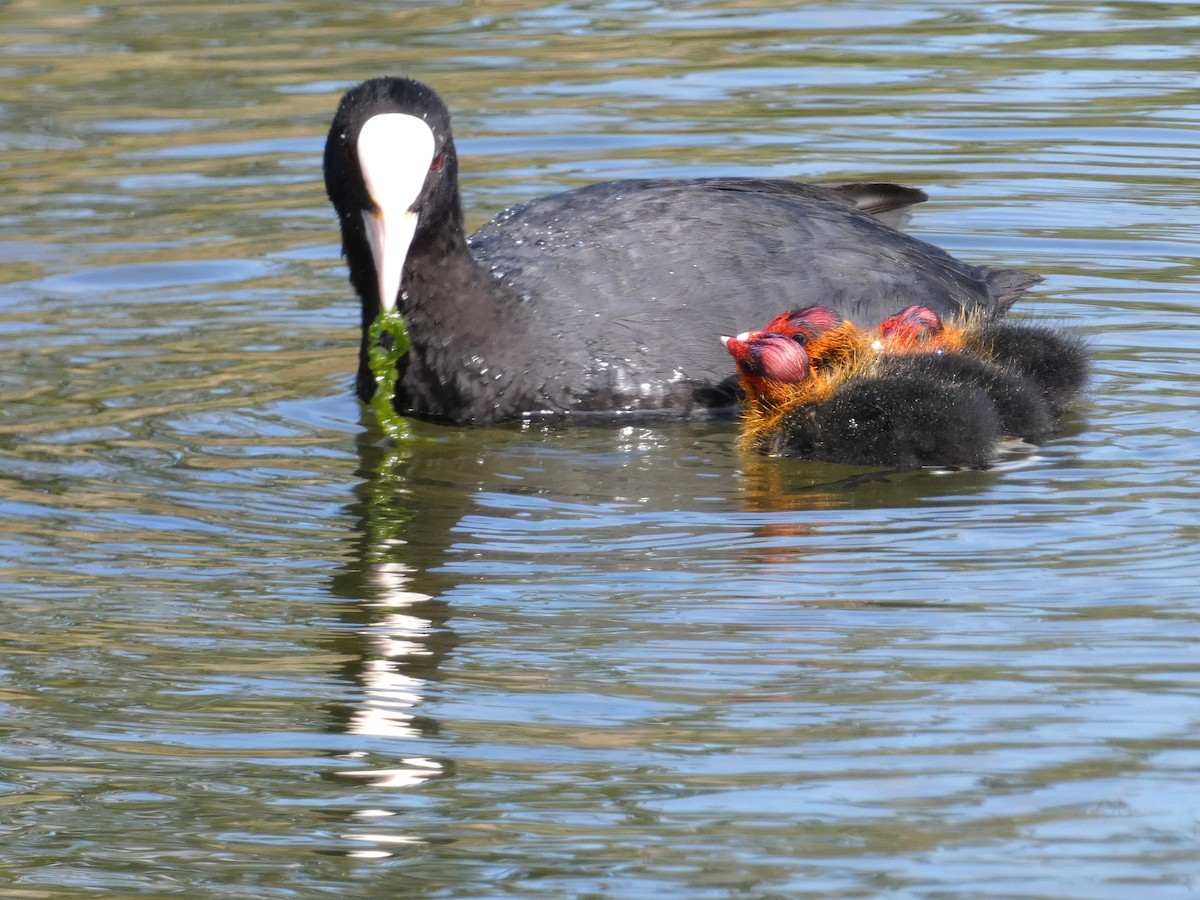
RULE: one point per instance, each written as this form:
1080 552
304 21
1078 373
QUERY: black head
343 174
394 188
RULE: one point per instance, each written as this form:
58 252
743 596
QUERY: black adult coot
859 415
567 303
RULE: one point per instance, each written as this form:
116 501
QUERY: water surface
253 649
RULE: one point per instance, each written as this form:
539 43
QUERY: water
252 650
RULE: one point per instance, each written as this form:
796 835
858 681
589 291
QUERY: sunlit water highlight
251 649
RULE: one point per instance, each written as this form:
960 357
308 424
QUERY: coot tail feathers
879 197
1006 285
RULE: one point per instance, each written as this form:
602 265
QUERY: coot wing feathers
618 271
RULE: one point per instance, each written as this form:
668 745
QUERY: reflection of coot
566 303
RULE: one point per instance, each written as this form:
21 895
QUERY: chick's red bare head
805 324
770 355
911 323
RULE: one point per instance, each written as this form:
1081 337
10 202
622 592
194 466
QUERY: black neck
470 339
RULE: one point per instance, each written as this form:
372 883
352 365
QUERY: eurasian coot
1018 401
604 298
1055 362
856 415
914 342
829 339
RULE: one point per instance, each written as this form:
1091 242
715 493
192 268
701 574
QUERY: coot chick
563 304
915 340
1018 401
1054 362
1058 363
908 345
852 415
830 340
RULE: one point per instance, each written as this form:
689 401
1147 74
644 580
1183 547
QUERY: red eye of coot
437 161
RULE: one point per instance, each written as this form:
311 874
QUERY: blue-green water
253 650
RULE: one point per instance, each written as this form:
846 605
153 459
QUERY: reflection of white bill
378 853
415 770
389 695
